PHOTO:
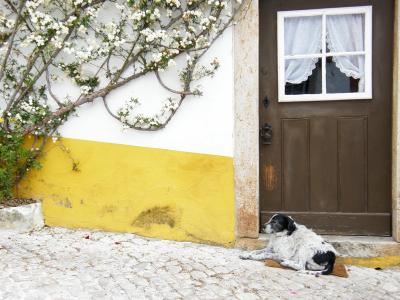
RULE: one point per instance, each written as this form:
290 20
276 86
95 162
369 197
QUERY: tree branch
186 93
11 39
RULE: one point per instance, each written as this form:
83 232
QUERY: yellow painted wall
151 192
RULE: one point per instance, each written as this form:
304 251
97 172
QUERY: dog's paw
308 272
244 256
285 263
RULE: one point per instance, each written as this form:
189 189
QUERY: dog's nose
264 228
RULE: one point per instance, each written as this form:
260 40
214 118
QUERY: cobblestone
56 263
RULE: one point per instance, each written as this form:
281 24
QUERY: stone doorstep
22 218
347 246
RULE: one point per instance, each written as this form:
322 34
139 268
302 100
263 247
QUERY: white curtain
302 36
346 33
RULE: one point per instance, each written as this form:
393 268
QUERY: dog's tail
327 258
330 263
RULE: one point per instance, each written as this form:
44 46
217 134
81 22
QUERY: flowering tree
100 46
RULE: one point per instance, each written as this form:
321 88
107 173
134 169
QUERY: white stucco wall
202 124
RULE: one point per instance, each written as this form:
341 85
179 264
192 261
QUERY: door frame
246 123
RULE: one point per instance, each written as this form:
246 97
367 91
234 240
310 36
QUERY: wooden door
327 161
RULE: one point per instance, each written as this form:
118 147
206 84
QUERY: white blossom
88 35
85 89
175 3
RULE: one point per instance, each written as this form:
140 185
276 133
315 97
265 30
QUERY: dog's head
280 223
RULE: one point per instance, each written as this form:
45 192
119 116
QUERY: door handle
266 134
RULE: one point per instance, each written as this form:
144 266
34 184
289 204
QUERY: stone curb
22 218
380 262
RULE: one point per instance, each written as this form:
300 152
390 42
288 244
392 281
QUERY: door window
325 54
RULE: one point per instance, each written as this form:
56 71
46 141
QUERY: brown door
325 115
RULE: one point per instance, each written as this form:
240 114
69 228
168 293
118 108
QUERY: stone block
22 218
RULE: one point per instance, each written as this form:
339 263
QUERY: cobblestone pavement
57 263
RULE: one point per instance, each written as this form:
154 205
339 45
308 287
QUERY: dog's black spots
325 258
322 257
291 226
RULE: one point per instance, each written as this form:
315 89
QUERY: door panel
323 165
296 162
329 164
352 164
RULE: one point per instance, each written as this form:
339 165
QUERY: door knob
266 134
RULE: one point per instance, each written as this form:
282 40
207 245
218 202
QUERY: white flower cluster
81 2
205 23
91 12
38 39
192 14
47 27
85 89
140 121
87 52
29 112
137 16
83 55
218 3
130 119
157 57
114 35
173 3
33 106
6 23
154 35
33 4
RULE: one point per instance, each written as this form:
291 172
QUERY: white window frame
367 94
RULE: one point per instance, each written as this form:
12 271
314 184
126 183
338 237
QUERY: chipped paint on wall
270 177
63 202
156 215
151 192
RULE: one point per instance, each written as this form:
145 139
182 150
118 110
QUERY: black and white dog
295 246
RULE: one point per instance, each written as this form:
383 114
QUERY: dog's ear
291 226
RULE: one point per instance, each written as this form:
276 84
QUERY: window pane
345 74
345 33
303 35
303 76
